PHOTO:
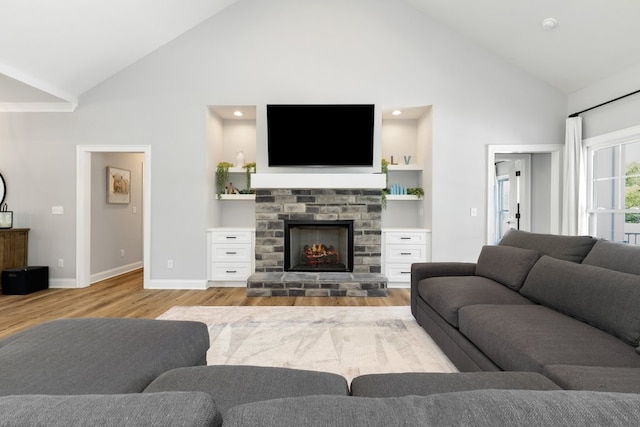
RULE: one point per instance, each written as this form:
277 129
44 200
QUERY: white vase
239 159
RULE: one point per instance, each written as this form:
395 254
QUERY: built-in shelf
237 197
404 167
402 197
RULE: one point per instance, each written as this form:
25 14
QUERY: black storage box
24 280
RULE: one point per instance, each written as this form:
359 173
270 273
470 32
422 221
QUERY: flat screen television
320 134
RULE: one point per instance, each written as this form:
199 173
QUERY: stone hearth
273 206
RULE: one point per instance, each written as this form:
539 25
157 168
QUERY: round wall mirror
3 189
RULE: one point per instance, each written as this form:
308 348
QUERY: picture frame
118 185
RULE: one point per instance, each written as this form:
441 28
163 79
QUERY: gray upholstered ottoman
232 385
424 384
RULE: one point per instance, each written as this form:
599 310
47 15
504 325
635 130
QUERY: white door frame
83 208
555 150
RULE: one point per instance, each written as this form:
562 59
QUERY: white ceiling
53 51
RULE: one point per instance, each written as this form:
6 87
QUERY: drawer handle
231 271
231 253
405 238
405 253
405 272
231 237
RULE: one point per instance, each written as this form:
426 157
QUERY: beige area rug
348 341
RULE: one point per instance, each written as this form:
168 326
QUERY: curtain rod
604 103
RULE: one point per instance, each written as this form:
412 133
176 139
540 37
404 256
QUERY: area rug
349 341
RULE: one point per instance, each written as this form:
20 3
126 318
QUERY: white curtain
574 197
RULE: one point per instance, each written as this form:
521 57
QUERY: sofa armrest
423 270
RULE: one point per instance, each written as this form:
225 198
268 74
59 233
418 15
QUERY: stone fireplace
348 220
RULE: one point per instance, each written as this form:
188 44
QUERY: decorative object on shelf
6 216
118 185
385 171
222 175
398 190
407 160
249 169
416 191
392 163
231 189
239 159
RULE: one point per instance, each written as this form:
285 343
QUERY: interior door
512 199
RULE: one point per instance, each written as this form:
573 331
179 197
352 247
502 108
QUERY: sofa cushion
116 410
98 355
596 378
604 298
569 248
615 256
529 337
232 385
479 408
426 383
447 294
506 265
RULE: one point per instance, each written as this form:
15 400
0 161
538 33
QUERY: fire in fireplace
318 246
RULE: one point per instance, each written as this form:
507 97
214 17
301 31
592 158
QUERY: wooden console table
14 248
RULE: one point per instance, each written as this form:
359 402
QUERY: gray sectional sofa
562 306
138 372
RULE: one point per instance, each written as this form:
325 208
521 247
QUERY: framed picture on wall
118 185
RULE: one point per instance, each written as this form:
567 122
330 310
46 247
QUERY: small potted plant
222 176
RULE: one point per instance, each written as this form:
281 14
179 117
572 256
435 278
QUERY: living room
238 58
153 115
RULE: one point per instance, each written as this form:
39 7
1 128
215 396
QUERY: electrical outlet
57 210
60 262
121 252
170 263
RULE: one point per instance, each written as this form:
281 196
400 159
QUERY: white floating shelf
402 197
237 197
404 167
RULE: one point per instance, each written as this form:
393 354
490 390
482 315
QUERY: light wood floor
124 296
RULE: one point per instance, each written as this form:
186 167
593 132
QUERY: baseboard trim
63 283
176 284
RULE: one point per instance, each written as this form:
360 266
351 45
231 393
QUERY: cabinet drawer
398 272
240 271
231 253
399 253
411 238
230 237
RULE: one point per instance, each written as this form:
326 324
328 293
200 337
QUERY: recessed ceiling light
238 113
396 112
549 23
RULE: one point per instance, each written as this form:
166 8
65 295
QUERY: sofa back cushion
569 248
615 256
506 265
603 298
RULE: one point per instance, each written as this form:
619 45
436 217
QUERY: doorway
83 208
523 189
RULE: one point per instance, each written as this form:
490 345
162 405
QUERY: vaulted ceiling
53 51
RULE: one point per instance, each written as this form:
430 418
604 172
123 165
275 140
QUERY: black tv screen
320 134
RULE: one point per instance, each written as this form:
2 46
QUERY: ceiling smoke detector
549 24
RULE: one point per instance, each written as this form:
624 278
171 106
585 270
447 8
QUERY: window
614 189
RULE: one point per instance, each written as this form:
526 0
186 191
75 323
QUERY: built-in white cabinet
401 247
230 255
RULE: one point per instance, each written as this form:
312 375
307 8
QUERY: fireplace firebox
318 246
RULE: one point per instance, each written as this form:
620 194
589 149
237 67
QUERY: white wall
615 116
278 51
